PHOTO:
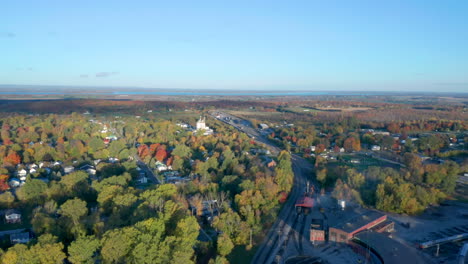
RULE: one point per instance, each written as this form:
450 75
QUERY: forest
108 215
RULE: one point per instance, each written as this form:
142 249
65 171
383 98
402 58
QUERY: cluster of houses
160 166
13 216
23 170
174 177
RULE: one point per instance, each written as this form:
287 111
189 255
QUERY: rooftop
355 222
390 250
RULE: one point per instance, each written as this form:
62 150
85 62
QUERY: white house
32 170
68 169
22 172
14 182
312 148
375 148
12 217
113 160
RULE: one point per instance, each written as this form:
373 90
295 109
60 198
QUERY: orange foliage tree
4 182
12 158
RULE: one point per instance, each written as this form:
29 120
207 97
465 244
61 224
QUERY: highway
245 126
286 223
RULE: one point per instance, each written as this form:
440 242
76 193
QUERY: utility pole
437 252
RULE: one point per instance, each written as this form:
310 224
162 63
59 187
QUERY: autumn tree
83 250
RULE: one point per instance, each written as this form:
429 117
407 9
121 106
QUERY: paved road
147 170
246 127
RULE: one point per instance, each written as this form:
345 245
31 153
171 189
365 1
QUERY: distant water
178 93
186 93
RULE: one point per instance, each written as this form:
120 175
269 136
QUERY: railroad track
279 233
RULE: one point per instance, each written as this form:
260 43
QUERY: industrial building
317 231
370 220
388 250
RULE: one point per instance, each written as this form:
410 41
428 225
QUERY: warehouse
347 229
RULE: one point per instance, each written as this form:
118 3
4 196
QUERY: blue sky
295 45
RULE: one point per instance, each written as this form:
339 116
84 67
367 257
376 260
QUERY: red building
317 233
346 230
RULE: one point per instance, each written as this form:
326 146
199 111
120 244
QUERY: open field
343 109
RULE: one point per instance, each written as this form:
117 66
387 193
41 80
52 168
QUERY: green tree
32 191
225 245
6 199
83 250
322 176
182 151
74 209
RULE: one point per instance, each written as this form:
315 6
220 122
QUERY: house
312 148
260 151
182 125
33 166
12 216
142 180
106 141
355 161
31 171
91 171
342 150
375 148
161 166
20 238
112 137
263 126
383 133
113 160
14 182
271 164
57 163
86 166
68 169
22 172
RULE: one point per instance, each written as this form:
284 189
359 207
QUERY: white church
201 125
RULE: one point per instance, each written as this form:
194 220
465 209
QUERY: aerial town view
303 132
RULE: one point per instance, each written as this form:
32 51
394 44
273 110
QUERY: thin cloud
452 84
105 74
7 34
84 76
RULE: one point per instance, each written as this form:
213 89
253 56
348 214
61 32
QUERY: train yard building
346 230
